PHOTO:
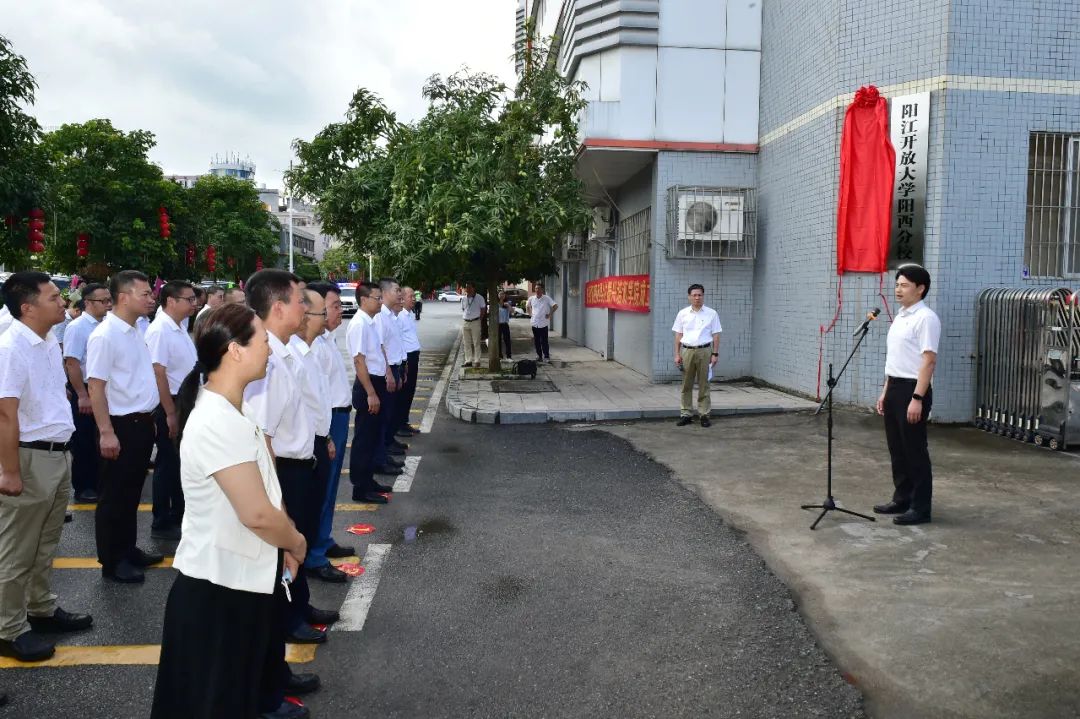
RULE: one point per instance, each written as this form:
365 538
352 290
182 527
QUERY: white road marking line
440 387
404 481
354 609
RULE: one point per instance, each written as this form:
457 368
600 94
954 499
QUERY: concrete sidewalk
585 387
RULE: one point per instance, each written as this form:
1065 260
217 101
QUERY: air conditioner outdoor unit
601 222
710 218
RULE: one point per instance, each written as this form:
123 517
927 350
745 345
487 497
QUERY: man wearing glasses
124 395
84 443
172 352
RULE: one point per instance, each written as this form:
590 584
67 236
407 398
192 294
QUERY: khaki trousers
30 526
695 366
471 335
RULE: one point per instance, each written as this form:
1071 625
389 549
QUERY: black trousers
84 450
540 341
412 364
505 349
303 503
367 435
168 497
913 480
115 521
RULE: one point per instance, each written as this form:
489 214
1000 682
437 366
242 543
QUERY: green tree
22 169
226 212
482 187
336 261
103 184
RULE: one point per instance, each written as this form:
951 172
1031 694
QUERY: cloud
210 77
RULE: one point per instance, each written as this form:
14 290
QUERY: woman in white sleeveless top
216 648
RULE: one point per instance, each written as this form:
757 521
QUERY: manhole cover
520 386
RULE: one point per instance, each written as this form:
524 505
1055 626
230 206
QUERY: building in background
710 150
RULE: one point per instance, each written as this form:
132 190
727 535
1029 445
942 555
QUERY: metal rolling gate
1016 329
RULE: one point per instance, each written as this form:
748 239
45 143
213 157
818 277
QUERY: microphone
870 317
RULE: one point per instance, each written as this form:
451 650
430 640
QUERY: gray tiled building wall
813 52
728 283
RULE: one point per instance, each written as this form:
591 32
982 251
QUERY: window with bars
1052 228
599 256
634 237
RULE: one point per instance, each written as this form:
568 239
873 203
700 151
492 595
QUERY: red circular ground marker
360 529
351 568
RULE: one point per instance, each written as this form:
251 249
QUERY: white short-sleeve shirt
472 307
391 334
540 310
698 327
275 404
406 322
363 338
914 330
214 544
172 348
5 319
314 386
333 364
32 371
76 336
117 354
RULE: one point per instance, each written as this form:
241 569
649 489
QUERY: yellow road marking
345 560
91 563
129 654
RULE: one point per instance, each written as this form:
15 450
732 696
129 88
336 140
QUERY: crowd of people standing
245 395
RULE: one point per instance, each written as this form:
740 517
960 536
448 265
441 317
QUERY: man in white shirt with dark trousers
124 395
907 397
410 341
540 307
369 393
697 346
35 479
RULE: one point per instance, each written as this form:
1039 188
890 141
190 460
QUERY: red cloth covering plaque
867 165
620 292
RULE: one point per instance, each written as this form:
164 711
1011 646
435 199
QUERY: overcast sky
215 76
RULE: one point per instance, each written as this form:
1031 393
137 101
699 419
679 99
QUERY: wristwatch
916 395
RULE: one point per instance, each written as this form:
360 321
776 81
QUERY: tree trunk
494 364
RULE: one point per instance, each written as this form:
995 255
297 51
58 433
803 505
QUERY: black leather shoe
145 559
404 433
395 451
60 621
391 471
327 573
287 710
69 517
382 488
684 420
299 684
912 517
705 421
27 647
890 508
125 573
306 634
339 552
392 461
169 534
322 616
371 497
398 444
87 496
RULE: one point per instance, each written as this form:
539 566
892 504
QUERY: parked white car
450 296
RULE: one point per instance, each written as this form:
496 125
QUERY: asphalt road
539 571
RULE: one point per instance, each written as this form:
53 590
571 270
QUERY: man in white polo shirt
173 353
907 397
697 346
369 393
395 378
124 395
35 482
540 307
410 341
472 312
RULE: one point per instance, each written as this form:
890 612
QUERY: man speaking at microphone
907 396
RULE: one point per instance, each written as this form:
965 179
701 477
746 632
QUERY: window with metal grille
634 238
599 255
715 223
1052 228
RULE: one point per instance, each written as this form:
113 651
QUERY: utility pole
289 200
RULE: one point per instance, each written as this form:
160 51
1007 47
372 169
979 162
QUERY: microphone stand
829 505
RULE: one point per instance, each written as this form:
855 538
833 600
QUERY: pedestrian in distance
35 469
473 311
505 308
84 443
218 657
235 296
697 346
124 396
172 353
540 308
215 297
908 395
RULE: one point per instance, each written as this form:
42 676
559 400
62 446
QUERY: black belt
135 417
474 319
696 347
47 446
905 380
296 462
342 410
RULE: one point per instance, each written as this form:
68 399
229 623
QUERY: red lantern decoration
82 244
190 257
36 232
37 214
163 222
211 259
258 263
230 261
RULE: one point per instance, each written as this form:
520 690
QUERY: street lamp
289 200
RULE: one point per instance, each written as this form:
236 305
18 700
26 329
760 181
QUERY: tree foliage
336 261
226 213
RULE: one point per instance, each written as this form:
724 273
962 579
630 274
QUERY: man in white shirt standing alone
697 345
540 307
35 426
173 353
124 395
472 312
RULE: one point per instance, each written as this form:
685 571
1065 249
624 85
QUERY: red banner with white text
629 293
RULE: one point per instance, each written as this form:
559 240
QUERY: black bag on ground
525 367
